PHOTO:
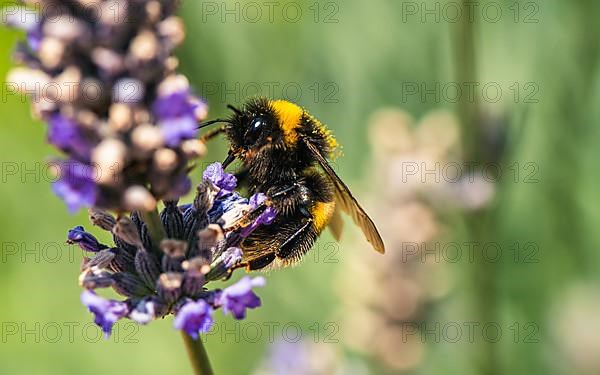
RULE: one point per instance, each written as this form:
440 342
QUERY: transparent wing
348 203
336 224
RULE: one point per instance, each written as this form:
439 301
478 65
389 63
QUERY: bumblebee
284 151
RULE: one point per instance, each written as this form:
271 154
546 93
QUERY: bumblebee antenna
237 111
207 123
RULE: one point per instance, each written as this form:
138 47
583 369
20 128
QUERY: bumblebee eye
256 127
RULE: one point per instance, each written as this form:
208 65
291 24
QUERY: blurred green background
344 60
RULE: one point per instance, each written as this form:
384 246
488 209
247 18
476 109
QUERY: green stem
197 354
195 348
466 74
482 274
155 228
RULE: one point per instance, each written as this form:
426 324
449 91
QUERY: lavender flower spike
194 317
239 297
174 275
107 312
85 240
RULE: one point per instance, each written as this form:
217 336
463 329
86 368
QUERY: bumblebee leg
252 215
261 262
213 133
284 191
256 263
299 242
290 251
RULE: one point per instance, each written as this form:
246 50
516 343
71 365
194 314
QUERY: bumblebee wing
348 203
336 224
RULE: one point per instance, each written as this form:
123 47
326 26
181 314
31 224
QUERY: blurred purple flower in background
117 104
176 117
75 185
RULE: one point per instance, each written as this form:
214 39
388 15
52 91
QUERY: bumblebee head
263 125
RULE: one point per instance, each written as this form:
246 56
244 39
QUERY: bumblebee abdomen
322 213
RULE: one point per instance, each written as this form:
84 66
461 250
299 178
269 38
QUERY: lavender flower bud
208 239
102 219
172 220
109 158
146 138
129 285
224 264
196 216
193 278
138 198
147 267
85 240
169 287
175 251
127 231
102 259
91 279
123 261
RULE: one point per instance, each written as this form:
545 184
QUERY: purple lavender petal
221 179
175 105
34 40
224 203
232 256
176 130
35 36
265 218
194 317
176 117
143 312
66 135
107 312
76 186
256 200
85 240
239 297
